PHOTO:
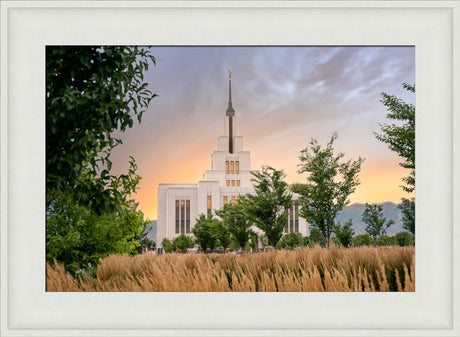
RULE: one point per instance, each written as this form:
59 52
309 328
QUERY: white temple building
229 177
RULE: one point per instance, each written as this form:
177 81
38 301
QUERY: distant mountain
355 212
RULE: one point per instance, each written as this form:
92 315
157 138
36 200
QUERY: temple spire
230 114
230 110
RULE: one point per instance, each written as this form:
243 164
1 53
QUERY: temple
229 177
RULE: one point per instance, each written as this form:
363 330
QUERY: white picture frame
28 26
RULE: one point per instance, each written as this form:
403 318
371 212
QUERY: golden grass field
306 269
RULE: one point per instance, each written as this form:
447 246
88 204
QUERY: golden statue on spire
229 75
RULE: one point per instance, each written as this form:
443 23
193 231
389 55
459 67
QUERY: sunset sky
283 97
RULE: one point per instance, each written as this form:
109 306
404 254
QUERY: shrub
308 242
167 246
386 241
363 240
78 238
182 243
290 240
405 239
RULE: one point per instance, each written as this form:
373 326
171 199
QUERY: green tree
291 241
167 245
204 232
329 185
90 93
407 208
182 243
79 238
363 240
237 222
400 138
222 234
267 207
377 224
345 233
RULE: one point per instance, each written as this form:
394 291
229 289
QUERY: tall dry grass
307 269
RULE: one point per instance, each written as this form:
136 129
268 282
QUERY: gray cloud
283 96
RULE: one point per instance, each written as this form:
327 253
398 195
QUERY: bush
167 245
182 243
363 240
290 240
386 241
308 242
78 237
404 239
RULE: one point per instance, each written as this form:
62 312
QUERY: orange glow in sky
379 182
283 97
378 185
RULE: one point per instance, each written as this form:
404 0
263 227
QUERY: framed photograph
429 29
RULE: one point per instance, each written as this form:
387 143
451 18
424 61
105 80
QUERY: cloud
283 96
